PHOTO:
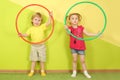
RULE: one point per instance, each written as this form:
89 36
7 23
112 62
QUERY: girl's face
36 21
74 19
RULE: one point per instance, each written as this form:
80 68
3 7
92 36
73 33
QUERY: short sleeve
82 26
28 32
70 28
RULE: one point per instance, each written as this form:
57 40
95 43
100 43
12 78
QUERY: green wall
14 52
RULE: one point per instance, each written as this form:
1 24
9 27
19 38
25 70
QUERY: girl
36 33
77 46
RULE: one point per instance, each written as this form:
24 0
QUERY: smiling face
36 19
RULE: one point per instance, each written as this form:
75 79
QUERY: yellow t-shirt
36 33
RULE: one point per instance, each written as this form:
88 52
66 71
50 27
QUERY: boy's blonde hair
68 17
37 14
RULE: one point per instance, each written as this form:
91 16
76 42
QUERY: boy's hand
20 34
51 13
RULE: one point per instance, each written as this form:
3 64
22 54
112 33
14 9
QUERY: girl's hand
100 36
66 27
98 33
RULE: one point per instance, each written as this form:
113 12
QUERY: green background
14 52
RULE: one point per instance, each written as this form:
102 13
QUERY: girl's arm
49 19
66 27
89 34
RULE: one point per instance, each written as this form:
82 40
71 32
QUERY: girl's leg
74 63
42 69
32 68
82 60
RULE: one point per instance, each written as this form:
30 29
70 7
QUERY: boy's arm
22 35
49 19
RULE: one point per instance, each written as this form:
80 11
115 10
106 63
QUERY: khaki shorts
38 53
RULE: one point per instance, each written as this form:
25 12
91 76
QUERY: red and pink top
75 43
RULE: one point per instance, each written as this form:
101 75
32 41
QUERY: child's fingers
66 27
51 13
19 34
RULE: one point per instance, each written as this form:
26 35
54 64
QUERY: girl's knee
82 61
75 60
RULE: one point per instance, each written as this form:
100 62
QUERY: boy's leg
42 69
32 68
82 60
42 58
74 63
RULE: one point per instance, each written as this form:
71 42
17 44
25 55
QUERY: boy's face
74 19
36 21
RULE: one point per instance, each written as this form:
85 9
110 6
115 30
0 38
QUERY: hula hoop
92 3
16 21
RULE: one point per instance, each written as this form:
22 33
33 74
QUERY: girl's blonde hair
37 14
68 17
